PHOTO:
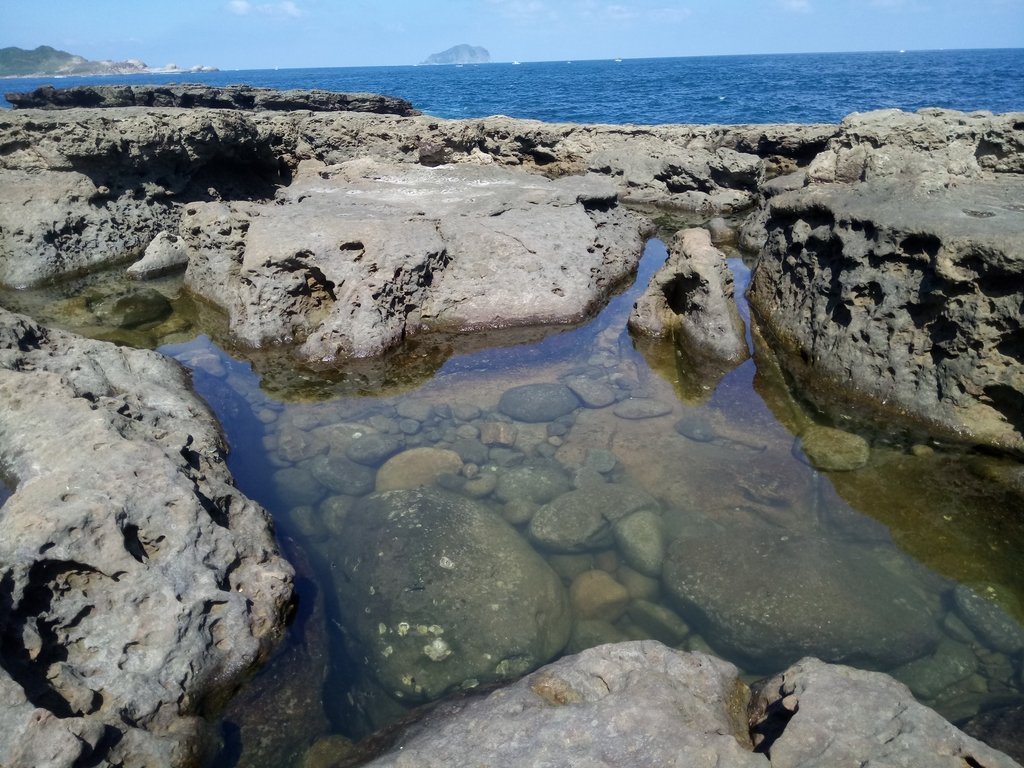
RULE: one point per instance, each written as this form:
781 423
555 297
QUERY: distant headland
460 54
44 60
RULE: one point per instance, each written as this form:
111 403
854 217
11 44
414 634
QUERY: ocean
790 88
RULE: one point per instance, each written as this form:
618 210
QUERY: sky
256 34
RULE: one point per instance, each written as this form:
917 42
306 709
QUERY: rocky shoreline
890 273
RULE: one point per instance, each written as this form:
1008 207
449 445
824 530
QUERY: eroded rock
137 585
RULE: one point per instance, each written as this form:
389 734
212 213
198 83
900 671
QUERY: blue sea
791 88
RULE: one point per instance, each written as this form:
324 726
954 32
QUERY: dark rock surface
137 585
208 97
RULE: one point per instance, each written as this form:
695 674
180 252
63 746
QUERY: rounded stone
340 475
417 467
374 448
592 393
539 483
637 408
438 591
773 599
641 541
597 595
535 403
831 449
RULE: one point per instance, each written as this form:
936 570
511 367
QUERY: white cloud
283 8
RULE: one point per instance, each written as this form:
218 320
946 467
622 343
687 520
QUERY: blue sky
308 33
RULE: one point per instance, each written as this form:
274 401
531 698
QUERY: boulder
166 253
538 402
352 259
817 714
643 704
893 275
773 597
691 299
438 593
138 587
638 704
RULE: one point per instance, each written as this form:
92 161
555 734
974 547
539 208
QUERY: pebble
596 595
637 408
535 403
830 449
417 467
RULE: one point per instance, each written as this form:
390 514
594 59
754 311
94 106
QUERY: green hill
44 60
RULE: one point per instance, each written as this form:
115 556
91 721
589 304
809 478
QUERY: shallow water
908 564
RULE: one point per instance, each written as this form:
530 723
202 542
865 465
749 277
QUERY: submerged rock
774 597
439 593
538 402
833 449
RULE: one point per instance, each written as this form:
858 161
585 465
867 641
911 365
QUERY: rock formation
892 271
208 96
138 587
643 704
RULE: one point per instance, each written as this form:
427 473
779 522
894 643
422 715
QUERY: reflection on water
492 508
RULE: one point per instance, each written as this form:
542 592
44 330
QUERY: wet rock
658 622
637 408
471 451
721 232
591 392
638 704
827 714
997 628
296 486
640 587
140 587
833 450
439 593
773 598
417 467
135 309
596 595
537 483
691 299
342 475
538 402
498 433
590 633
641 540
929 676
1002 729
580 520
166 253
372 449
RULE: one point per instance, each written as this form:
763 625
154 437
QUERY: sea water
796 88
924 530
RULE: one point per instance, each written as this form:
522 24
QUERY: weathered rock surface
636 704
691 299
893 272
210 97
354 258
643 704
101 183
436 584
137 585
830 714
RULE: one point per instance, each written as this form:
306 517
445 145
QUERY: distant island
460 54
44 60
